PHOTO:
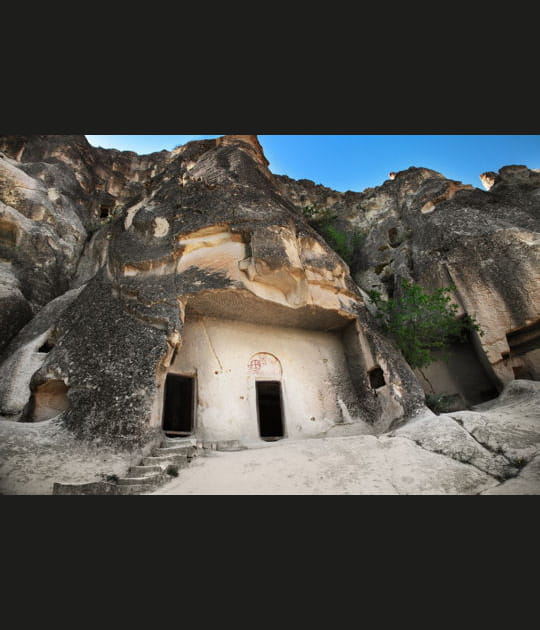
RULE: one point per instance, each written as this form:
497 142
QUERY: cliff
106 255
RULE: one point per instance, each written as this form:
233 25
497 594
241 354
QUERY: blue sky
356 162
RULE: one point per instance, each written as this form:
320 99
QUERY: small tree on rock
420 322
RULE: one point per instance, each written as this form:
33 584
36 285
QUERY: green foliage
318 217
111 478
421 322
338 242
344 244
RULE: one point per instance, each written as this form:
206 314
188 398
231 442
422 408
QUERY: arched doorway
266 371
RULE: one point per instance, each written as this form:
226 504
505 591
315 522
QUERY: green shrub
172 470
420 322
343 243
338 242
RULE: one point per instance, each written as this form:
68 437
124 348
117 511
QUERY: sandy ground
341 465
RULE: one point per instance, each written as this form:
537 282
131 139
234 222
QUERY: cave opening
178 407
46 347
48 401
376 378
393 237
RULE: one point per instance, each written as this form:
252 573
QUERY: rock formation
163 241
119 271
420 226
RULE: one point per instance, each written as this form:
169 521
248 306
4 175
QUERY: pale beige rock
442 434
528 481
35 456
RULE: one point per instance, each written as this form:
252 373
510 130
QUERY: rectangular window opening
269 409
178 405
376 378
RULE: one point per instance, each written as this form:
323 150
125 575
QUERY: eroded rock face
202 231
107 256
422 227
55 193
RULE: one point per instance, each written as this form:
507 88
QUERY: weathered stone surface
442 434
528 481
206 231
421 227
33 457
15 310
41 232
509 425
27 353
203 229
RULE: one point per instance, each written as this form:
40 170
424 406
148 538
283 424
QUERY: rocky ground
35 456
494 449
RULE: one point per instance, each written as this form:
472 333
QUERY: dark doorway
178 405
376 378
269 410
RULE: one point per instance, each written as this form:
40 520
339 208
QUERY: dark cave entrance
48 401
178 407
376 378
269 409
46 347
524 356
459 374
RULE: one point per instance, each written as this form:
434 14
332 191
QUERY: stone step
230 445
132 489
148 480
176 460
175 450
141 471
223 445
167 441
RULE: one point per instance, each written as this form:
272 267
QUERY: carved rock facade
188 264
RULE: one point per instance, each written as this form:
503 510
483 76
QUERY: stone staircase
150 473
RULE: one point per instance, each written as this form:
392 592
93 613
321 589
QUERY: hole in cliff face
46 347
524 340
104 212
390 286
394 238
376 378
49 400
8 233
524 354
521 372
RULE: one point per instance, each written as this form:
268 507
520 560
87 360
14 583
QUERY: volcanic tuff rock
104 254
147 240
419 226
